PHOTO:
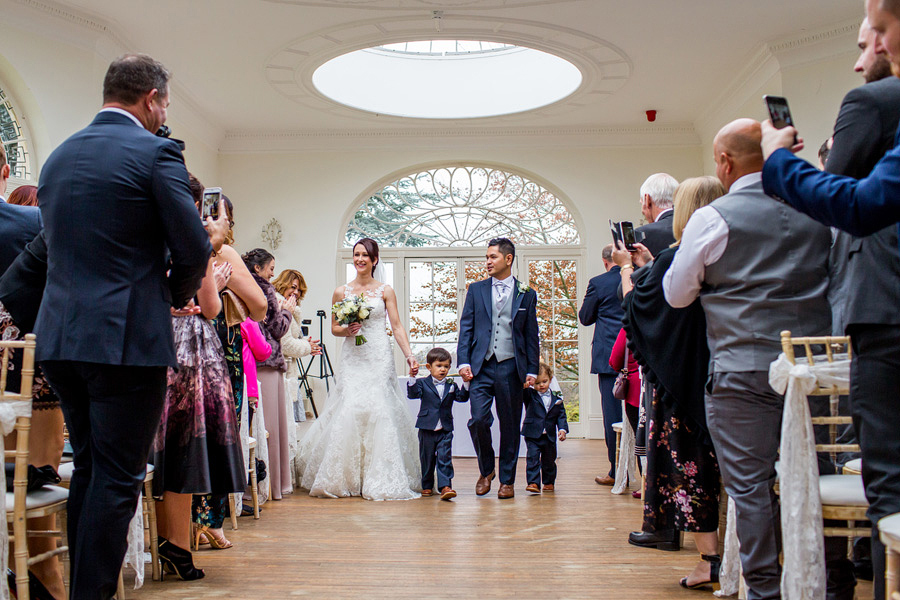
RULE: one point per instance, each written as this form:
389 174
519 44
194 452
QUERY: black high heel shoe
715 563
178 561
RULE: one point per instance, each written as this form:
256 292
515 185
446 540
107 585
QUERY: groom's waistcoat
501 330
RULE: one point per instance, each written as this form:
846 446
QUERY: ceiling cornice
420 4
238 142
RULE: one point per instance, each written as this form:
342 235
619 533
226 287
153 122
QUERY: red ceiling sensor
651 115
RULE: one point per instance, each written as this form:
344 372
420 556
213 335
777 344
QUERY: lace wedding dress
364 443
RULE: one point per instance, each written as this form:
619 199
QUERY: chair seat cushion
47 495
842 490
617 426
890 527
854 465
251 442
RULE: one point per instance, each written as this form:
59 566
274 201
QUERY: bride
364 443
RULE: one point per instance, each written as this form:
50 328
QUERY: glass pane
545 319
566 320
566 361
445 322
475 271
571 400
458 205
540 278
444 285
564 287
419 281
421 322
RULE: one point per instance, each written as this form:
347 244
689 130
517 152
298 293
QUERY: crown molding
419 4
253 142
768 60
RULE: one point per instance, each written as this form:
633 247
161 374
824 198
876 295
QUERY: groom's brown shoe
447 493
506 491
483 485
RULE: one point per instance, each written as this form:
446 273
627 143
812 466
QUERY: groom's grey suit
498 340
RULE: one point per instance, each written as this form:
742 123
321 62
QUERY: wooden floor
571 544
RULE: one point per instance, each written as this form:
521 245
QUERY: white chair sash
626 469
803 575
730 571
9 412
134 554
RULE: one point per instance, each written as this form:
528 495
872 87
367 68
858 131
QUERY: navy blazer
116 204
603 309
476 324
658 235
18 226
860 207
538 419
436 407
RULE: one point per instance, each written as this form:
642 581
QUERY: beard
895 70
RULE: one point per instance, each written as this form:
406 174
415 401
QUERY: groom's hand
466 373
529 381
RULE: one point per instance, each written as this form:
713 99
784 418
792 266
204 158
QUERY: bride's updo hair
371 247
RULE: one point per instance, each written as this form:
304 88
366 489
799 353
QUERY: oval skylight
447 79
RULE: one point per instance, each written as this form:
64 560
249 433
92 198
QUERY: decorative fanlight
271 234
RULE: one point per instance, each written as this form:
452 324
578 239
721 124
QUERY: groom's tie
499 292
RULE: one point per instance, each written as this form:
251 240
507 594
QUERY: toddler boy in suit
435 420
545 420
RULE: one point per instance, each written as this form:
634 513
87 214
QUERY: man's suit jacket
538 419
658 235
433 406
116 202
22 285
476 325
18 226
863 133
602 309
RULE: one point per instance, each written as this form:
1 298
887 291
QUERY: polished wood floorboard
570 544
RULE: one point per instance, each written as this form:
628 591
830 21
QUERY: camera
165 132
321 313
304 326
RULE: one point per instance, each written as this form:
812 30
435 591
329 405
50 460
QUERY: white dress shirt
703 243
547 399
123 112
659 216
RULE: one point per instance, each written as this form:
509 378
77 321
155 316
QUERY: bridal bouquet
354 309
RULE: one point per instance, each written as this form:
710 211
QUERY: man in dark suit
116 202
603 309
657 194
18 224
499 353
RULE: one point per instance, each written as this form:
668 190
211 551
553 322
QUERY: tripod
325 369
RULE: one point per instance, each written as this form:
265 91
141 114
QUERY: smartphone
623 232
211 198
779 111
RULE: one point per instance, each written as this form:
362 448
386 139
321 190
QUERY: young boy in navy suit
435 421
545 420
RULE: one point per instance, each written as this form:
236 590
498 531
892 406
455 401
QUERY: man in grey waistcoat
759 267
499 352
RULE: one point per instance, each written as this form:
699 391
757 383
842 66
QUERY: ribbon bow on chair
10 411
803 575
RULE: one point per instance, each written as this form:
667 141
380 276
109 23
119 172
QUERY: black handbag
38 477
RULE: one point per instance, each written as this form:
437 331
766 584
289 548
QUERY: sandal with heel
715 563
204 535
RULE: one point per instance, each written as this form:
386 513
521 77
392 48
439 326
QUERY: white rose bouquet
354 309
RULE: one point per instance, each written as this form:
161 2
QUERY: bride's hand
413 364
353 328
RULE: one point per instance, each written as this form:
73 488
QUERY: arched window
433 227
14 141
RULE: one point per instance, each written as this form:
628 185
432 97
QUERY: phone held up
779 112
623 231
211 198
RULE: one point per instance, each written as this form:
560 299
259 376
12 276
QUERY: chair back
829 349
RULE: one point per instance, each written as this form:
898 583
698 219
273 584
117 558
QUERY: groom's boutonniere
523 287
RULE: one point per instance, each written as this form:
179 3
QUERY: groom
499 353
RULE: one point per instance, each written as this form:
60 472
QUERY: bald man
759 267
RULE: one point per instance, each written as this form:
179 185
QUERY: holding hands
561 434
529 381
413 365
466 374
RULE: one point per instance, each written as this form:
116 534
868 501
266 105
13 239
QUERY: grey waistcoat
501 332
772 277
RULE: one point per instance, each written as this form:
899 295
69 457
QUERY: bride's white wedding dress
364 443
